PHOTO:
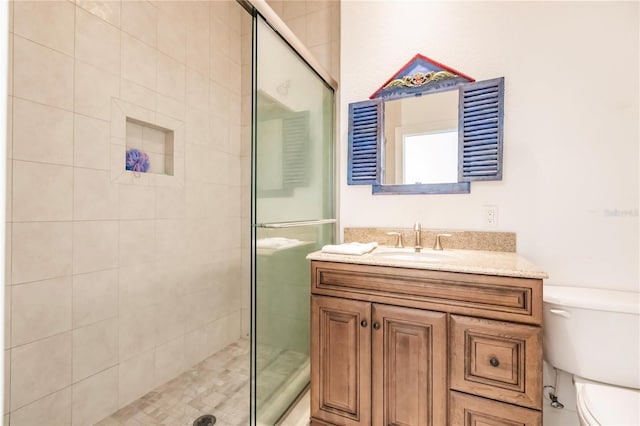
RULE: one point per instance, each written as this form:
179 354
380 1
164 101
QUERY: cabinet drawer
497 360
496 297
467 410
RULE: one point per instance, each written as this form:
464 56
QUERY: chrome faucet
418 228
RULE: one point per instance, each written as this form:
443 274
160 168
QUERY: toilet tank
593 333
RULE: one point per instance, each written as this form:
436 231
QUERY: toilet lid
610 405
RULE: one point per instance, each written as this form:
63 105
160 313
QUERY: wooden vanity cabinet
377 364
399 346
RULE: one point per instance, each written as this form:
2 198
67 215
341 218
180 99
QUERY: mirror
421 140
429 129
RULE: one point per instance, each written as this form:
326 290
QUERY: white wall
571 124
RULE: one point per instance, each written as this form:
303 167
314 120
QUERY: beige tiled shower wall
114 288
317 24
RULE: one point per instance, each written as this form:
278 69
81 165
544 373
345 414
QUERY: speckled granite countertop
505 264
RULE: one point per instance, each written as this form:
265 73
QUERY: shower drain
206 420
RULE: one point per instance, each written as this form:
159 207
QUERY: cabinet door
409 360
340 361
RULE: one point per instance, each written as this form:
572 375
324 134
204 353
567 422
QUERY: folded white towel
276 242
356 249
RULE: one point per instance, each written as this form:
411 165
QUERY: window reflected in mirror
421 139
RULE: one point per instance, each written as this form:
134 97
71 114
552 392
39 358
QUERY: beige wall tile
197 309
220 10
40 309
319 28
223 331
40 368
220 134
41 192
136 332
137 242
95 297
219 100
171 77
170 239
7 381
10 60
54 409
97 42
139 61
220 68
108 10
170 203
197 127
137 288
170 107
219 32
293 9
138 95
95 246
195 346
42 133
137 202
198 36
197 90
172 32
94 99
139 19
169 360
46 22
169 317
136 377
42 75
49 243
95 398
95 348
94 196
196 162
91 142
202 199
7 316
9 194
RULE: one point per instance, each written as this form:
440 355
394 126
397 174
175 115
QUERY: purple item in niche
137 161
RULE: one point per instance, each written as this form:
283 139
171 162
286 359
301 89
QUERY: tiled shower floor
219 385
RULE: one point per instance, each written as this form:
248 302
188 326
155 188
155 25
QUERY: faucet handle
398 239
437 245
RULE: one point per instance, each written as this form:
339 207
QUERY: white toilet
595 335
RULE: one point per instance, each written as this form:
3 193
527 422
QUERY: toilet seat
600 404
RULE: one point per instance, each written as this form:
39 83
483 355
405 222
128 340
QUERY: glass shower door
292 215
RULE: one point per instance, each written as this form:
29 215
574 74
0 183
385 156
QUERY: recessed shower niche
149 148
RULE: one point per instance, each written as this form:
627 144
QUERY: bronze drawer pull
376 326
494 362
363 323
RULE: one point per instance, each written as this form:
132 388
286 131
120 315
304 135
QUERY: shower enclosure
169 166
292 215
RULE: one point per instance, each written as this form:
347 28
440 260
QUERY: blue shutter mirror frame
365 142
480 141
480 130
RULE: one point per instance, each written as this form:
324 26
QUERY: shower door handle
278 225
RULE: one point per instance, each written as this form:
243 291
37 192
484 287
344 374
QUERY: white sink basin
426 255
